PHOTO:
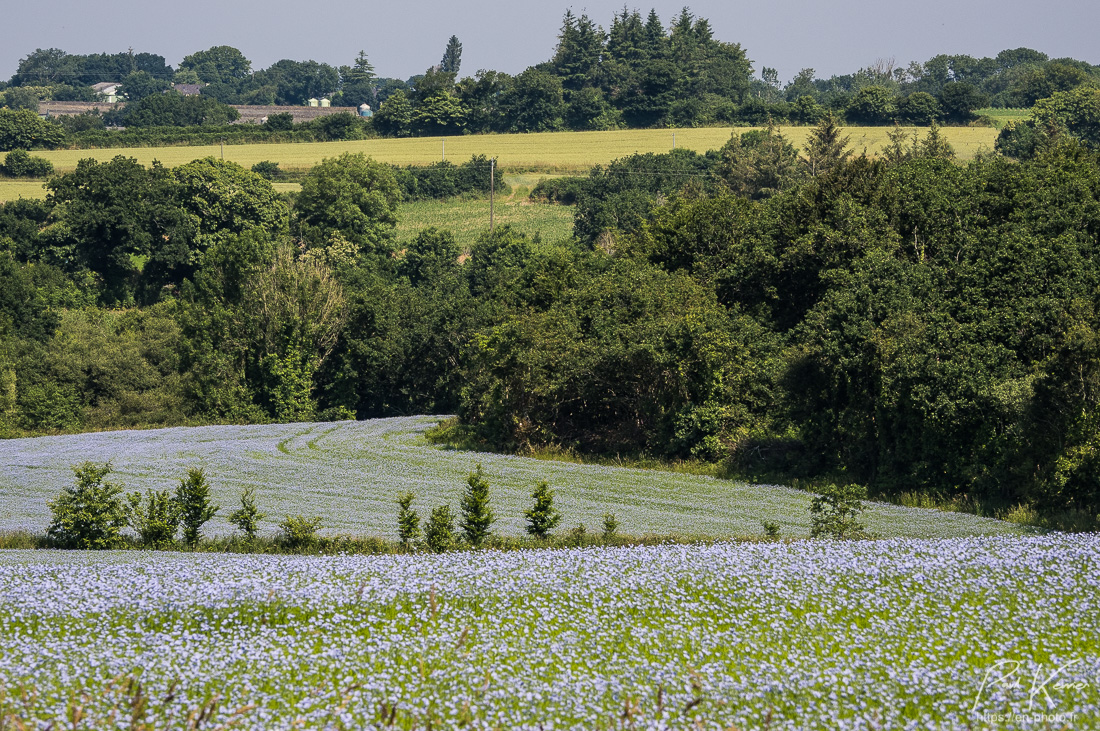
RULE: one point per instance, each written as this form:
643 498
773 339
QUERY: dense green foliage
88 514
911 323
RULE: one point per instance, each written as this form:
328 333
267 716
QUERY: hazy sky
404 38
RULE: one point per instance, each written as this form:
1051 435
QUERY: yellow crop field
557 151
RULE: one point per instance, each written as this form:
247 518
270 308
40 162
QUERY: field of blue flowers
350 474
976 632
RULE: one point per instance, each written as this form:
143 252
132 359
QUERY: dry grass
547 151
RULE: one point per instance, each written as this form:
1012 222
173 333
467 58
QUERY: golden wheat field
548 151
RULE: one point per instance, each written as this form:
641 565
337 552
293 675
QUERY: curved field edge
350 473
890 634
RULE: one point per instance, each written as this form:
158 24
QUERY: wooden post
492 189
444 158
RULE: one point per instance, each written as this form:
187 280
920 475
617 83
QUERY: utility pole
223 147
673 139
492 189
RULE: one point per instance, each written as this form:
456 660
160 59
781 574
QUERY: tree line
637 73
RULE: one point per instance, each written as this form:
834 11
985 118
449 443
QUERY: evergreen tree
439 534
610 526
357 81
900 149
452 56
542 517
477 516
825 148
193 500
935 146
408 520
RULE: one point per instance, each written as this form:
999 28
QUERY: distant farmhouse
108 91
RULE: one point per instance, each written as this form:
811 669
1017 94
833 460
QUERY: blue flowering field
983 632
350 474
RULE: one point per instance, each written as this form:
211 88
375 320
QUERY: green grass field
350 474
467 219
551 151
12 189
1001 117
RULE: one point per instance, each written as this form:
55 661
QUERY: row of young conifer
93 512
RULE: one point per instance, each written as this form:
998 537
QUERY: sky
404 38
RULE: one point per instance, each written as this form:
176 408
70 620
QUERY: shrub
408 520
834 513
771 528
247 517
155 519
610 526
477 516
267 169
542 517
19 164
195 508
439 534
88 514
299 531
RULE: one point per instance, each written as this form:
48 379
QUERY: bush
18 164
408 520
247 517
193 501
155 519
88 514
439 534
559 190
299 531
542 517
267 169
834 513
477 516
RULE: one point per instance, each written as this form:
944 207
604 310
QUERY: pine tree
610 526
542 517
477 516
439 534
935 146
193 499
899 150
825 148
408 520
452 56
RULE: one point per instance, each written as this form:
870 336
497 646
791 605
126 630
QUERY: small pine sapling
408 521
771 528
477 516
195 508
610 526
439 534
247 517
542 517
